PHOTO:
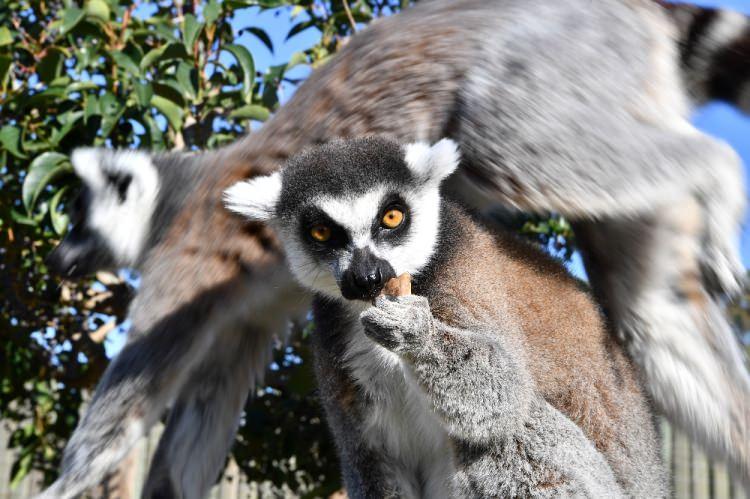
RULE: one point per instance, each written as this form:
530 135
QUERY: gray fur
506 439
424 408
618 148
202 357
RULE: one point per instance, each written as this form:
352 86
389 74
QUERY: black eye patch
390 202
121 182
313 217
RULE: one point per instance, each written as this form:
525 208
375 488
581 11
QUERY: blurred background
193 75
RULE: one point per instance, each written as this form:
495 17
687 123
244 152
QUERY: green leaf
261 35
247 64
68 120
152 55
191 29
5 62
143 93
45 168
109 104
22 219
51 65
70 18
296 59
250 112
21 468
168 51
156 136
109 120
269 97
9 137
81 86
170 90
211 12
187 79
91 107
61 81
59 219
125 62
220 139
6 38
163 30
299 28
98 9
170 110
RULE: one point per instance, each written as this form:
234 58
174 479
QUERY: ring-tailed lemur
502 78
472 384
123 211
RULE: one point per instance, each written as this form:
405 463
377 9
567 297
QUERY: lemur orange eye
392 218
320 233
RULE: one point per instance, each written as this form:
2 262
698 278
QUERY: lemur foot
398 323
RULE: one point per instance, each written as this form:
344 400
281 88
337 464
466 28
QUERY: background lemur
499 340
579 108
120 191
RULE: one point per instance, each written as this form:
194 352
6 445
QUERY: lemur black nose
375 278
366 276
371 278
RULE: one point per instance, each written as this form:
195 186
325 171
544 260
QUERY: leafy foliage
156 75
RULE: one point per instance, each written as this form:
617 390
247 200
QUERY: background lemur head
112 213
352 214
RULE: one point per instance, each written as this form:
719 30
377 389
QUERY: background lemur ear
87 164
117 170
432 164
256 198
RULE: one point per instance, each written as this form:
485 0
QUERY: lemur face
353 214
111 216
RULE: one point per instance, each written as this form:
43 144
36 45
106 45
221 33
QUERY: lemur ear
256 198
87 165
117 170
432 164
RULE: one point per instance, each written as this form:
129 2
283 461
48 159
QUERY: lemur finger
381 328
400 305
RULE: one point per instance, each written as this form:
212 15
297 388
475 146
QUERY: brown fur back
577 365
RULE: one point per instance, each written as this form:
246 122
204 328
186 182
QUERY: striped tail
714 53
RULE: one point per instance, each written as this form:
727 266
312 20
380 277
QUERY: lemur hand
399 323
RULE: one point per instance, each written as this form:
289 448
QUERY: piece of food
398 286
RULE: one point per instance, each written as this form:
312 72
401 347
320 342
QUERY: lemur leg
648 274
507 440
203 421
137 386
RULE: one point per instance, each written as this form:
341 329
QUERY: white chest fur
400 424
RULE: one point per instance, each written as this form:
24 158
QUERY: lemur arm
204 418
478 386
507 440
147 374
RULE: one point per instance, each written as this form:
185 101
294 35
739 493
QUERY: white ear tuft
87 165
256 198
432 164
